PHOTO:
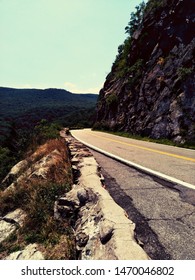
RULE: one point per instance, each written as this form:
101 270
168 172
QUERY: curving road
163 211
168 162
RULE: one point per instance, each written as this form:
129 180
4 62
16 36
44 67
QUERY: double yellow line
145 148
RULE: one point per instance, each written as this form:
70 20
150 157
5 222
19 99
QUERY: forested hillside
25 107
25 112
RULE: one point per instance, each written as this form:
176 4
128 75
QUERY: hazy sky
68 44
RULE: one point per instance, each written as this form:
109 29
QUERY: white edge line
140 167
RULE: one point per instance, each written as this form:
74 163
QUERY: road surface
171 163
163 211
164 216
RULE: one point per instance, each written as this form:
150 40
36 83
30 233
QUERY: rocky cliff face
150 90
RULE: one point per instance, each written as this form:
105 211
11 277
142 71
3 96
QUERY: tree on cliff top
136 19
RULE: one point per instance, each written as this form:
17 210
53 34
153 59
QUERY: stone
81 239
15 171
17 215
102 228
82 196
106 231
10 222
30 252
6 229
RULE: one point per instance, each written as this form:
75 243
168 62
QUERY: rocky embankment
101 228
27 227
150 89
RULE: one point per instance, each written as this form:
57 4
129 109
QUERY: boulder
10 222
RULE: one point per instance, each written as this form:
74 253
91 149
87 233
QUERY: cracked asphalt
164 213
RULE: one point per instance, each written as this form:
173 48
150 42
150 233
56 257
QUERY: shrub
136 19
111 99
45 130
135 72
7 160
103 125
154 5
183 72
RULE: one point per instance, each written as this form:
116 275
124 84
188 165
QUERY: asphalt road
164 213
163 210
172 163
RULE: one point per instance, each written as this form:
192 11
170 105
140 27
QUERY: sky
68 44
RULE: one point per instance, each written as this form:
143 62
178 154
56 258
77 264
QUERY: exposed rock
6 229
155 94
49 163
17 216
83 196
41 168
106 231
102 228
10 222
81 240
14 173
50 159
30 252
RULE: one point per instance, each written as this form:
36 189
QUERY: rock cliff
150 90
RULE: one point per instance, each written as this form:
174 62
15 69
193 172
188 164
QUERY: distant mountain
150 90
16 102
24 108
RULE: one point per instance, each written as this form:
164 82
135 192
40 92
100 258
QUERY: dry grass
36 197
48 147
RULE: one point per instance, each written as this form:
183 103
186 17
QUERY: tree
136 19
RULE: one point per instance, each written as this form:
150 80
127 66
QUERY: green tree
121 62
154 5
6 162
136 19
46 130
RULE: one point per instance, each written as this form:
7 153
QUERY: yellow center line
144 148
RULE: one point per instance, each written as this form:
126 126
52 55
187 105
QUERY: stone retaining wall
102 228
